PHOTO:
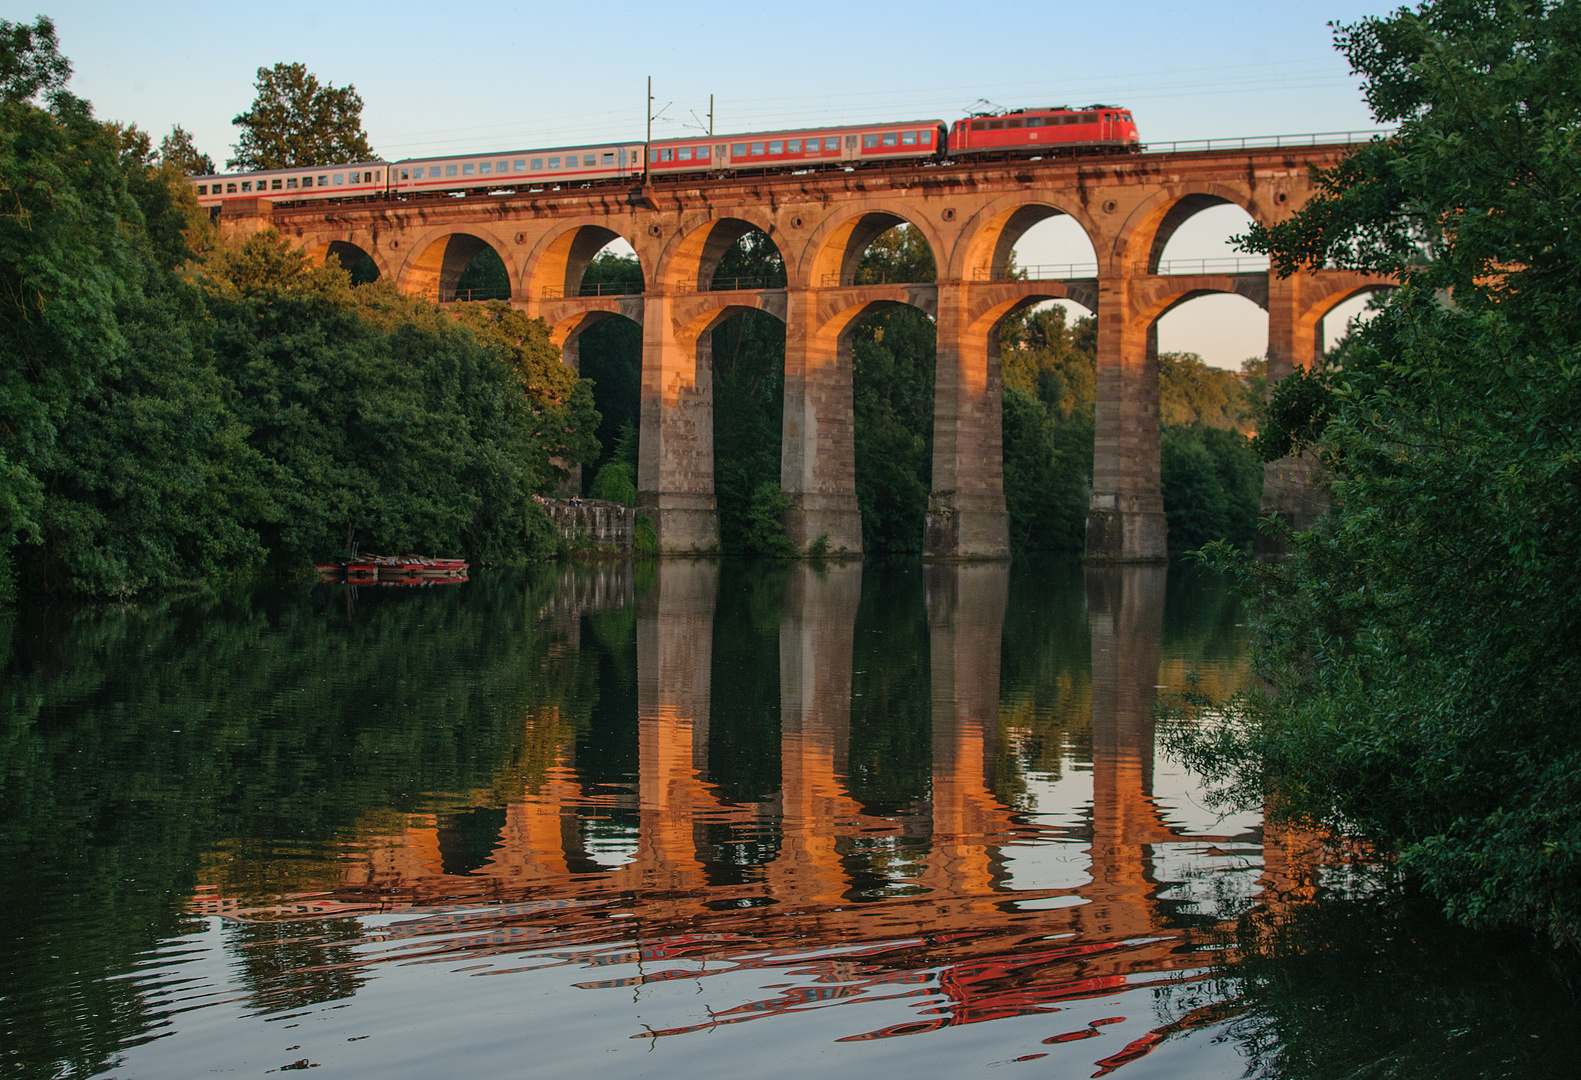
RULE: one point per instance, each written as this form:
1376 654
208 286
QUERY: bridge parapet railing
832 281
1240 264
598 288
737 284
1268 142
463 296
1041 272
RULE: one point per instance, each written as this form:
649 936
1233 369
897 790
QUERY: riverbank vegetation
1420 642
176 406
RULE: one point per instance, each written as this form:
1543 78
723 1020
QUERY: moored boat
391 570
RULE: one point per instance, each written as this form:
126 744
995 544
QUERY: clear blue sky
488 75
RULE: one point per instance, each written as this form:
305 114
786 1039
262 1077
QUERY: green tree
1191 392
30 62
1049 371
177 151
298 122
120 463
1421 640
383 421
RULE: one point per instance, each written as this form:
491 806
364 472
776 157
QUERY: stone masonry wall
608 526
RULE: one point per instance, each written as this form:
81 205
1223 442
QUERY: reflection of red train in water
1021 133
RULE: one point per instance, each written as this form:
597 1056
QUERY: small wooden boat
391 570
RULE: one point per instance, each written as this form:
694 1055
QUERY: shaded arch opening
876 248
1357 309
1209 403
1047 364
1036 243
606 348
746 352
1195 237
892 352
751 261
1226 330
354 260
588 260
460 267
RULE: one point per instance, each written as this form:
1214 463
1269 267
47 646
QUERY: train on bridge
1025 133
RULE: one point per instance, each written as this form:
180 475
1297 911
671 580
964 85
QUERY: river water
691 819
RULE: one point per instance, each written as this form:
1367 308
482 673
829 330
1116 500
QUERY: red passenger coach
1046 131
334 182
802 148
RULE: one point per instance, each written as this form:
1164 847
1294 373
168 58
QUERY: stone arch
838 319
557 262
986 322
831 254
1153 304
438 259
993 231
567 332
1332 298
1148 228
347 253
687 261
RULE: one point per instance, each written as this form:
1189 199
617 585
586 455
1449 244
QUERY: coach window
793 146
607 158
230 189
702 152
275 185
537 164
738 149
247 185
1034 121
869 140
467 168
203 189
684 154
908 138
665 154
554 163
486 168
890 138
777 146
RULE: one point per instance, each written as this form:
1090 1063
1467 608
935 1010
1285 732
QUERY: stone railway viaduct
971 215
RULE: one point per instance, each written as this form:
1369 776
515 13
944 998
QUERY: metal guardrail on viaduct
971 213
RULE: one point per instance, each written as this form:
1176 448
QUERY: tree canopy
298 122
1421 639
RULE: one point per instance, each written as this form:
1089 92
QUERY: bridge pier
818 433
966 508
1292 489
675 445
1125 519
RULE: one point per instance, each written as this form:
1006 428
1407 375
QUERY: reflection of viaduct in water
1000 957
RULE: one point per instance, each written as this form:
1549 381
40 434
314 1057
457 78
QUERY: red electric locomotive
1046 131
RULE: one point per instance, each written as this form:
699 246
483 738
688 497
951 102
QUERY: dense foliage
174 406
1422 640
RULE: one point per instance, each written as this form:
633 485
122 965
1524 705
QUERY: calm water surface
690 819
